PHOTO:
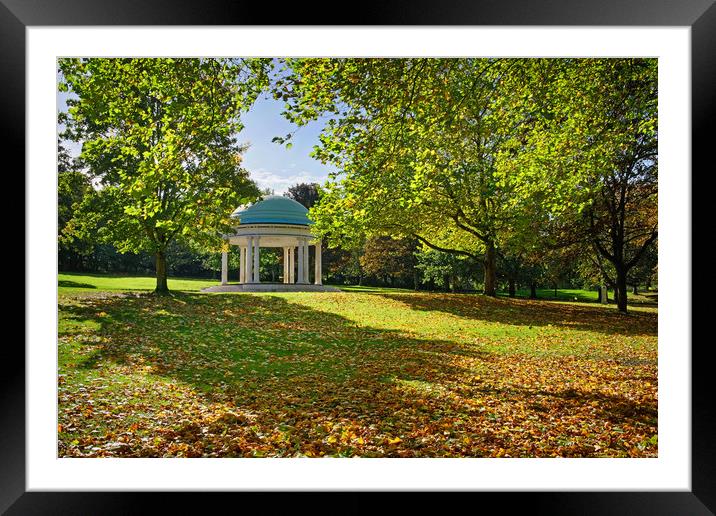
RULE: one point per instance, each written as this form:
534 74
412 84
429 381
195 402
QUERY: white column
257 253
248 261
285 264
300 261
318 280
224 267
246 265
306 269
292 264
242 264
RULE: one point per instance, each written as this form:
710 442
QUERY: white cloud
280 182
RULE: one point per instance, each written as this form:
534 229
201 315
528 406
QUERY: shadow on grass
532 312
300 369
74 284
614 409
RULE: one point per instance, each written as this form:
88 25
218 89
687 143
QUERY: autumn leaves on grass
353 374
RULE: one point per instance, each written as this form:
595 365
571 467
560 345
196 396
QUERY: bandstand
278 222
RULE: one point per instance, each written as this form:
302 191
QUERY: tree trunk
511 287
599 294
621 291
635 289
416 283
490 270
161 270
533 291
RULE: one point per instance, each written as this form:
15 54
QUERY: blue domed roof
273 209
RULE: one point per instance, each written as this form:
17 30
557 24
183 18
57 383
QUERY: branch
467 228
603 250
595 238
643 249
599 265
444 249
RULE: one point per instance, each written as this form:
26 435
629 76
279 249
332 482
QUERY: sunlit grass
371 372
72 283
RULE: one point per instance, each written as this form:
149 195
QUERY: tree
390 259
72 187
622 219
645 270
158 137
270 263
445 270
587 167
305 193
342 265
415 141
478 157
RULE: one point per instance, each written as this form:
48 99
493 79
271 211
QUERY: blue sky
271 165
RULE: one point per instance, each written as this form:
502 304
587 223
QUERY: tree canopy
159 140
481 157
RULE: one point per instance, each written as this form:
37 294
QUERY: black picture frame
700 15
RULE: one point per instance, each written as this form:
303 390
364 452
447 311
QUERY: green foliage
407 164
271 264
446 270
72 188
158 137
480 156
341 265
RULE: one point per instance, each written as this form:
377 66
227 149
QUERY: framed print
676 479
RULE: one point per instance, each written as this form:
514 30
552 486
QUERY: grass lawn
72 282
366 372
586 296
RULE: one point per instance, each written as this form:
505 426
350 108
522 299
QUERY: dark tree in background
447 270
305 193
72 187
391 260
